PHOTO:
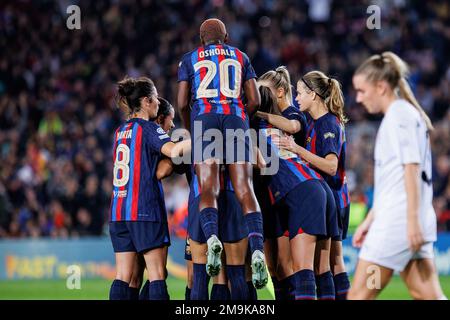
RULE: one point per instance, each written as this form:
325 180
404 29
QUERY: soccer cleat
259 270
214 261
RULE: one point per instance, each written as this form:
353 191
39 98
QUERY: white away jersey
401 139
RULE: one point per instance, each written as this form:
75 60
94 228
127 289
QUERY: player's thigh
369 280
236 252
198 252
155 260
421 279
125 264
302 251
241 178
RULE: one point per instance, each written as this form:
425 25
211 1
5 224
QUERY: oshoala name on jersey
125 134
216 51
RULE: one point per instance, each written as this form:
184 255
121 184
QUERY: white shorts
394 257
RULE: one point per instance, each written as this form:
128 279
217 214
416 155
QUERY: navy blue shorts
307 208
275 221
232 226
343 220
332 213
230 148
274 215
187 250
138 236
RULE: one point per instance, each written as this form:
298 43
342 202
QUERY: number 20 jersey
216 74
137 194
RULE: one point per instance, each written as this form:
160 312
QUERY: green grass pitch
98 289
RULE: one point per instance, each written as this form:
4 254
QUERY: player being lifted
215 76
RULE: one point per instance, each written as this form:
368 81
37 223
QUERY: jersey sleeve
155 136
292 113
328 139
183 69
249 72
406 129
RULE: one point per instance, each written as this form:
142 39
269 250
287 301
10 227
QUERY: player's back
137 194
216 73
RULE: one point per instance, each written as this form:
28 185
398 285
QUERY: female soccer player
299 188
274 216
320 97
214 77
399 231
138 221
164 118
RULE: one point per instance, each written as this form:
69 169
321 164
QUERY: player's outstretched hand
415 236
284 142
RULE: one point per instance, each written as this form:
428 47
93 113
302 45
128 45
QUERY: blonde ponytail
391 68
329 90
335 101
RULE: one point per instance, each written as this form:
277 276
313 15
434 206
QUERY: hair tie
329 82
309 87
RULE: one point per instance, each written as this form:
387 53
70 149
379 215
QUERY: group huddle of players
244 224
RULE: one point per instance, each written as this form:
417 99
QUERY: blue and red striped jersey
137 194
326 135
292 170
216 74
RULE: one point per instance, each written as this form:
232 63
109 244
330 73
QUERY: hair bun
127 87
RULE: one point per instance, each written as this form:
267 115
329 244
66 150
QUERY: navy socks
119 290
145 291
220 292
305 285
199 290
341 285
209 218
255 231
158 290
325 286
238 285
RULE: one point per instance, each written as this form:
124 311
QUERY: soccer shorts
223 137
393 256
343 220
331 213
232 226
138 236
307 205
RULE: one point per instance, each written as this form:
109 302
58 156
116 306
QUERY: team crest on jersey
308 140
328 135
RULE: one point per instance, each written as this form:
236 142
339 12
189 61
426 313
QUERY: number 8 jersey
216 74
137 194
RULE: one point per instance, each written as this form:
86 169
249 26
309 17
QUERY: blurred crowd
57 90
